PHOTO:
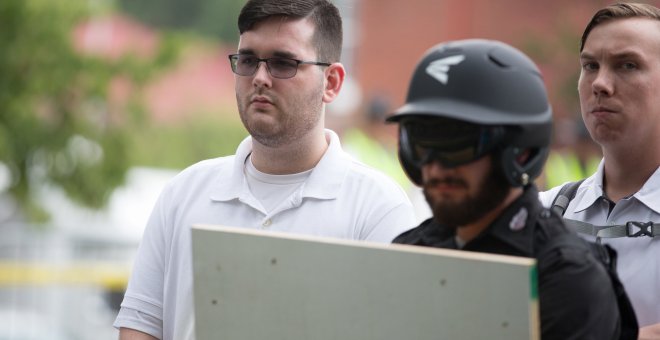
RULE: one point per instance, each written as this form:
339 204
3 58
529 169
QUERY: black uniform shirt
576 298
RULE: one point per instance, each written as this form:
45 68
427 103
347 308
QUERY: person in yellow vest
576 157
374 143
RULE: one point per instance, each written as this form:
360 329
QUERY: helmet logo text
438 69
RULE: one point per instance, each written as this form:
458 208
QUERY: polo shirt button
267 223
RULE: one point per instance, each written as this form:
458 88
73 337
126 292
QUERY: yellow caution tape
110 276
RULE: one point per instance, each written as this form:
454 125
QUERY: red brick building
391 35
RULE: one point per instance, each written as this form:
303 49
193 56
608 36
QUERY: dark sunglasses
450 142
278 67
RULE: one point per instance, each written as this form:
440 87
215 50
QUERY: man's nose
603 84
262 76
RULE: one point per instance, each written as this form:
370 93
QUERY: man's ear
334 79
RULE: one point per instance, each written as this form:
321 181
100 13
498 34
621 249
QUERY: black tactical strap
564 197
630 229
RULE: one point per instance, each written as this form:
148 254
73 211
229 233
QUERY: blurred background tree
216 19
55 124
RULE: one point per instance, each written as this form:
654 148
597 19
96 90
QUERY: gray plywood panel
267 285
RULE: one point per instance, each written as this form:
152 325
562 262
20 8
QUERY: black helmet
470 85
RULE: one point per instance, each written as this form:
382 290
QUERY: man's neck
627 171
468 232
296 157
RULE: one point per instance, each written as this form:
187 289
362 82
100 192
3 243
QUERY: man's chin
453 224
444 198
445 210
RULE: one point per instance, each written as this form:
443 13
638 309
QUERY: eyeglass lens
246 65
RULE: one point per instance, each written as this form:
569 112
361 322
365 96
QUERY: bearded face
463 195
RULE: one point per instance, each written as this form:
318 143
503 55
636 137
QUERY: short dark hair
618 11
327 38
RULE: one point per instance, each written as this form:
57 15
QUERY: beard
491 192
277 127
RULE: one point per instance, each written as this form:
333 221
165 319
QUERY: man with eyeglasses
474 133
289 175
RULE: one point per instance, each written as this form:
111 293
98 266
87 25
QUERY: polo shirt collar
649 194
230 183
324 181
593 188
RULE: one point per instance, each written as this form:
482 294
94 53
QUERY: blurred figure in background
374 143
574 155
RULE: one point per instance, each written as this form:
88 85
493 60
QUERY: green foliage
209 17
55 123
179 146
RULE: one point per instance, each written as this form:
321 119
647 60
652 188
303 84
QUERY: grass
178 146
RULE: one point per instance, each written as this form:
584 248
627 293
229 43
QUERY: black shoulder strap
607 257
629 229
564 197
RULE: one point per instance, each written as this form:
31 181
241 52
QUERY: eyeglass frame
266 60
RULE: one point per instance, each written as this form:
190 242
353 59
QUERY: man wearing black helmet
474 132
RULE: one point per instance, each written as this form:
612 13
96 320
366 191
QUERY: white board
266 285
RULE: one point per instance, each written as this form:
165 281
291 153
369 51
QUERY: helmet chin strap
524 179
522 165
522 159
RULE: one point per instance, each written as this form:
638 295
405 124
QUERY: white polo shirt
341 198
638 258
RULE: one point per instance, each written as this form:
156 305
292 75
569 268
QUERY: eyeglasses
448 141
282 68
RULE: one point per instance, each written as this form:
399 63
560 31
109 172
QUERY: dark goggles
450 142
